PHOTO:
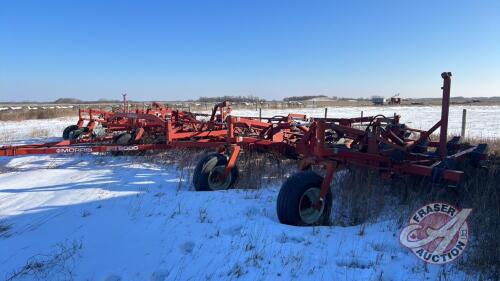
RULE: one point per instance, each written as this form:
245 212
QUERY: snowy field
481 122
121 218
33 131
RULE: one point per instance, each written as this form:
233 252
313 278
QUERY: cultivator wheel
209 174
297 197
69 131
122 139
78 133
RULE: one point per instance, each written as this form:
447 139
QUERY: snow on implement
382 144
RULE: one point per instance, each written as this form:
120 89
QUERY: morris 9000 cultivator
376 142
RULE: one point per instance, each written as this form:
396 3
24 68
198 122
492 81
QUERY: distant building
378 100
395 100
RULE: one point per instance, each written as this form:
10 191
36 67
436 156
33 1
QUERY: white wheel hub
309 213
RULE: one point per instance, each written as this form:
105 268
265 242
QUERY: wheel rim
72 133
217 179
309 214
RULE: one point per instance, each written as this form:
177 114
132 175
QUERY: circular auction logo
437 233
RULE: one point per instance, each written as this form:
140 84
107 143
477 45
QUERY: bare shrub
55 266
203 216
237 271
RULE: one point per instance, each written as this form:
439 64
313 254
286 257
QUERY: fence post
361 117
464 119
326 112
260 114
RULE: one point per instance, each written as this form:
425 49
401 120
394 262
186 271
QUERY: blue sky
167 50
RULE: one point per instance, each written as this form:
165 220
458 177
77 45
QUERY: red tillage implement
382 144
159 128
376 142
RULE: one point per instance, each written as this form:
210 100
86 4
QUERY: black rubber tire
74 135
206 165
287 205
121 139
67 131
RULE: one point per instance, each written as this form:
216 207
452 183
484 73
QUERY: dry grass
39 133
358 196
260 169
257 169
481 191
40 113
493 143
361 196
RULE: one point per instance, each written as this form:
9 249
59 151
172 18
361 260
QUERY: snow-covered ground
103 218
117 218
14 132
